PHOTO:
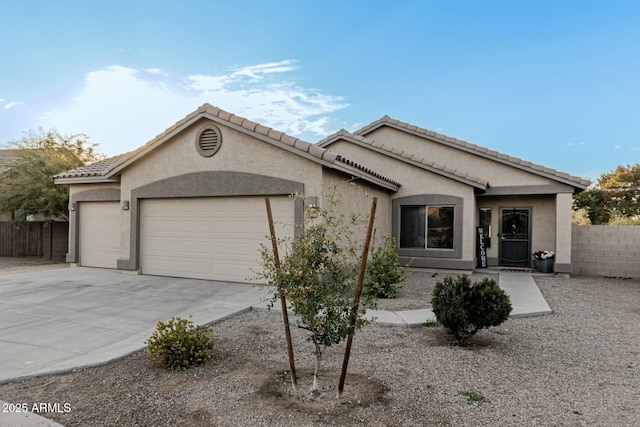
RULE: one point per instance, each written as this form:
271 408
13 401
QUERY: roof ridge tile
262 129
237 120
275 134
249 125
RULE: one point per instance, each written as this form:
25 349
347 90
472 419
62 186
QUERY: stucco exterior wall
416 181
238 153
78 188
357 196
564 207
495 173
543 221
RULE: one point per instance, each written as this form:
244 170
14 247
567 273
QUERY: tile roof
407 157
96 169
112 166
472 148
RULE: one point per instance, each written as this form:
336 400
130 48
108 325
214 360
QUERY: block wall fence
606 250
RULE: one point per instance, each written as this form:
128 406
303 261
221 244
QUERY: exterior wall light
125 205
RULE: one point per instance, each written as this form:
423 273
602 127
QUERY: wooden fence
20 240
48 240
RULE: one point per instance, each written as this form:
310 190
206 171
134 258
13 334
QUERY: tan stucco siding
495 173
239 153
543 220
77 188
417 181
356 197
413 180
564 207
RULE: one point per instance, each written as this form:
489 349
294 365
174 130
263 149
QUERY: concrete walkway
526 300
58 320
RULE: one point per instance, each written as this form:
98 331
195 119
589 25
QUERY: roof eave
380 123
479 185
354 172
238 127
86 180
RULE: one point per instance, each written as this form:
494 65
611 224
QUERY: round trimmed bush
179 345
465 308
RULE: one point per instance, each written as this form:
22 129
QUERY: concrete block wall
606 250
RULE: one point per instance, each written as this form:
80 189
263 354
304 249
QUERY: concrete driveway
56 320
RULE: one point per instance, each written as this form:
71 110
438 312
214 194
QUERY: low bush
179 345
465 308
384 272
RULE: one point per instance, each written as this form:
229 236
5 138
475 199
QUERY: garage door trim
99 195
207 184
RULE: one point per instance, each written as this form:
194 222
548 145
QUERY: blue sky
553 82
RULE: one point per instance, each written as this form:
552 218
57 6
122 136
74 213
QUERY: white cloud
575 144
122 107
12 104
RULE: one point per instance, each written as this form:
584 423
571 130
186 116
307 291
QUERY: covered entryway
214 238
99 227
515 237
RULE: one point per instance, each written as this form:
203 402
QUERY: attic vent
209 141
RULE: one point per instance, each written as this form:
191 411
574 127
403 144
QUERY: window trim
432 200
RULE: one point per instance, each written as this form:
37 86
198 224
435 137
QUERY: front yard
578 366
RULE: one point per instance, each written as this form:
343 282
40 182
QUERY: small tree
464 308
318 276
27 186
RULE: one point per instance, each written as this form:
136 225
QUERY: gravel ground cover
14 265
577 367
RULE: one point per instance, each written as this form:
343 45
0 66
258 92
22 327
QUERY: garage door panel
99 229
212 238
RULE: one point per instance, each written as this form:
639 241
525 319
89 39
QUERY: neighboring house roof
108 170
463 146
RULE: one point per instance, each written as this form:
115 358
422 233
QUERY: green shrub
384 272
464 308
179 345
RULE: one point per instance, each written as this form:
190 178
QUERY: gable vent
209 141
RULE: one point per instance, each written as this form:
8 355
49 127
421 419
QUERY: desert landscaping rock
15 265
576 367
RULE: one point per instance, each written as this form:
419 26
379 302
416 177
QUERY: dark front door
515 237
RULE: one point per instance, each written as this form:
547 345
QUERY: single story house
190 202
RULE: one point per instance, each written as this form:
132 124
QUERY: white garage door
210 238
99 229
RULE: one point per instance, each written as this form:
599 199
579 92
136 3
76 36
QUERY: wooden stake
356 299
283 302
